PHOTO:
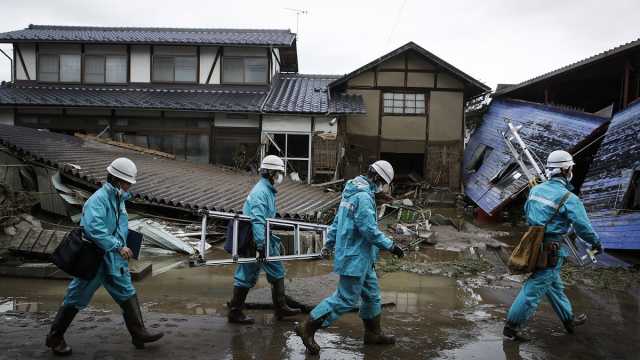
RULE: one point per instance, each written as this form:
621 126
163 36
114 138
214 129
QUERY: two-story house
204 95
232 96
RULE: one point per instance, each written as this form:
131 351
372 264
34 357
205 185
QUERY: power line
395 23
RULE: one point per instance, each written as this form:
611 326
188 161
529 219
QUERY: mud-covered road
433 317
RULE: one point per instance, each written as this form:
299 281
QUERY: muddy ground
433 317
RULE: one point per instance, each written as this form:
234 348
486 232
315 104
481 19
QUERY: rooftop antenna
298 13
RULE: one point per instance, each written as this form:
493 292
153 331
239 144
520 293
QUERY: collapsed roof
491 177
611 191
178 184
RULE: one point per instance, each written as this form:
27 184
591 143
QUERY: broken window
506 175
632 195
294 149
481 153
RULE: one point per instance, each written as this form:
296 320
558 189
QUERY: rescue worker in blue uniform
259 206
105 222
355 239
540 209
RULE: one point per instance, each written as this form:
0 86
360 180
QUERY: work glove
597 248
262 258
325 252
397 251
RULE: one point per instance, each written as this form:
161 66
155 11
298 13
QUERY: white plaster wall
174 50
29 57
6 117
321 124
140 63
286 123
207 56
105 49
445 115
240 51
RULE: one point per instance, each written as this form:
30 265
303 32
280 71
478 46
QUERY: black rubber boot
236 304
133 319
55 338
307 331
512 333
570 325
280 301
373 333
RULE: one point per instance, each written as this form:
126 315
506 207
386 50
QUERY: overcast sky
495 41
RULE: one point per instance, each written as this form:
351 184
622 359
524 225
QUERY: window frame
404 103
173 57
59 57
285 156
104 68
244 67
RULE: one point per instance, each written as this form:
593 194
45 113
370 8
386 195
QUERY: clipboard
134 242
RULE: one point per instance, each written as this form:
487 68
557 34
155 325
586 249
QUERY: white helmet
560 159
384 169
272 162
123 169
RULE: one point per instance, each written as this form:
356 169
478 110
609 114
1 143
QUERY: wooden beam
546 95
215 61
24 67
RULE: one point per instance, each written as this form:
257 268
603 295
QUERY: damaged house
589 108
414 117
220 96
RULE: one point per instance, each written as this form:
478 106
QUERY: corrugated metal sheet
608 178
146 35
544 129
161 181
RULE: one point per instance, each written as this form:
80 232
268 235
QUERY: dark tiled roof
590 60
544 129
476 87
175 183
220 98
139 35
301 93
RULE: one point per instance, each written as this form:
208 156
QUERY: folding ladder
295 226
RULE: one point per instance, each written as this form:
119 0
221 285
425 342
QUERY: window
174 68
249 70
48 67
99 69
481 153
404 104
55 68
294 149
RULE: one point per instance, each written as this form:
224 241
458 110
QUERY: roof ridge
574 64
159 29
140 89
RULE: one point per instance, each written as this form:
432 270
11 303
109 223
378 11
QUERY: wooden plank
18 239
56 239
30 240
42 242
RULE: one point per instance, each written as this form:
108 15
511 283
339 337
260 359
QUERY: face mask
379 188
279 178
570 175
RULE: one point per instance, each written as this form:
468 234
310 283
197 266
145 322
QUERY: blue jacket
354 234
544 200
259 206
99 221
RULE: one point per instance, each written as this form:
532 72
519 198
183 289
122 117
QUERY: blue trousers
80 292
351 289
543 282
246 275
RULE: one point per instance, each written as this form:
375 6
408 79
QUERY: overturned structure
491 176
611 191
